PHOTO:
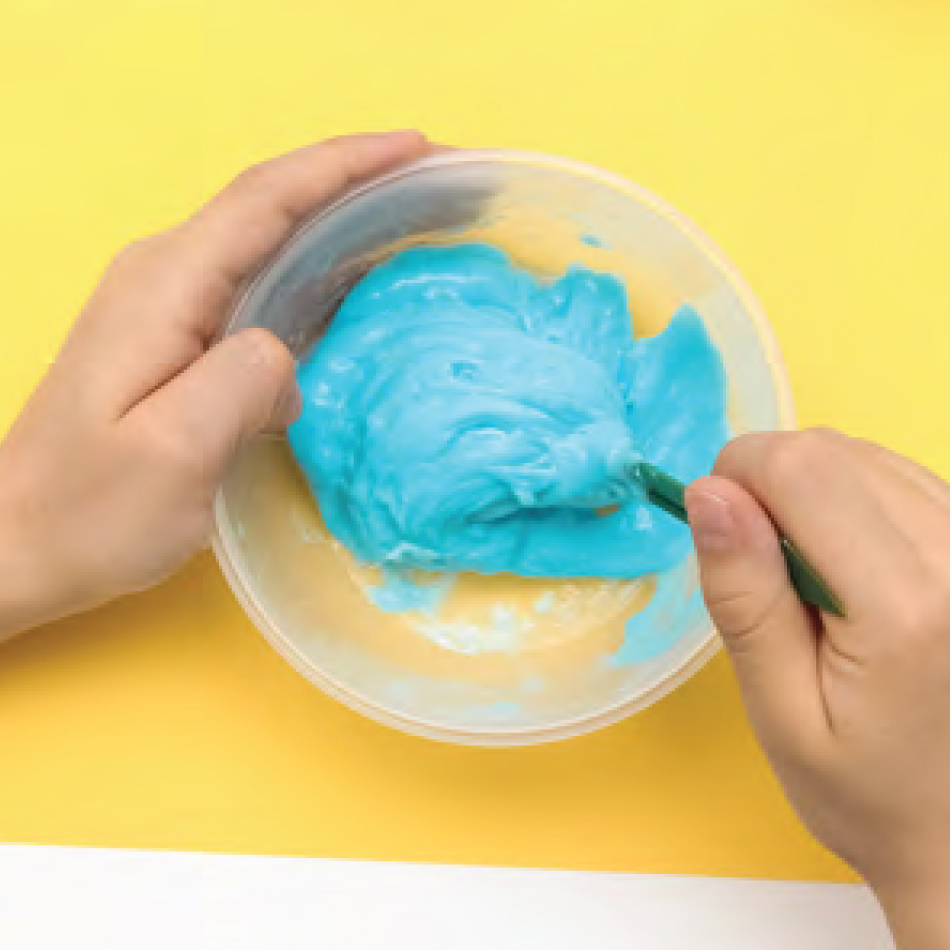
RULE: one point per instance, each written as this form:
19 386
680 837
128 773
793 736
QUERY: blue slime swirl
461 414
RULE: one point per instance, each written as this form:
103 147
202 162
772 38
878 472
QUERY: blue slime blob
461 414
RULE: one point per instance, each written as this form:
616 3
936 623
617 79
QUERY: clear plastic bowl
461 677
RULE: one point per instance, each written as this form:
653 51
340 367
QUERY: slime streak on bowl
296 583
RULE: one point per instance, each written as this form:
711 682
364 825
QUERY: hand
854 713
108 476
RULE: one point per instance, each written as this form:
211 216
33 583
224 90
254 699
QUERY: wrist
28 583
918 910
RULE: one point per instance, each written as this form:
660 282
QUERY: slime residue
462 415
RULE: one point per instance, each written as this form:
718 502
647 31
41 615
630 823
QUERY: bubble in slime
461 414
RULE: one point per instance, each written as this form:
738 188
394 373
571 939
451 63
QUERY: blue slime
461 414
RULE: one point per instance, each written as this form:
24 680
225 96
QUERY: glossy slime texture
460 414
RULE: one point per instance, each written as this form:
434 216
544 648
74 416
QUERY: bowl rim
223 541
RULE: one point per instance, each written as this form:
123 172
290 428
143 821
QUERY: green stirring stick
666 492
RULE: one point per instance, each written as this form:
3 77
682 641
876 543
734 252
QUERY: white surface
58 897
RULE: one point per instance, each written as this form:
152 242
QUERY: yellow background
810 138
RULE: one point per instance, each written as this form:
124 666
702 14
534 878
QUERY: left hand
108 476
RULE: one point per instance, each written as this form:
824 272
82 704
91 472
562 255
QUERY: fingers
164 298
824 496
239 229
242 386
771 638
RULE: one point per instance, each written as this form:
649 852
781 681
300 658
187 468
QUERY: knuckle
252 178
740 614
136 256
172 452
825 433
919 612
337 147
336 142
798 456
731 454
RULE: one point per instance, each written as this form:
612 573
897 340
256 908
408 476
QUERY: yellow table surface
808 137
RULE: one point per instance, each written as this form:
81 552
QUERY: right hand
853 713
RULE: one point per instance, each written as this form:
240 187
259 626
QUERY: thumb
242 386
770 636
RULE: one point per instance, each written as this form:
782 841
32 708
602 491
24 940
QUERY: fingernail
289 407
714 528
261 347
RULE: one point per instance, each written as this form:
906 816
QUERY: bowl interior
503 659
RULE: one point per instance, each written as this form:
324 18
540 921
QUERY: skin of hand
107 478
853 713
